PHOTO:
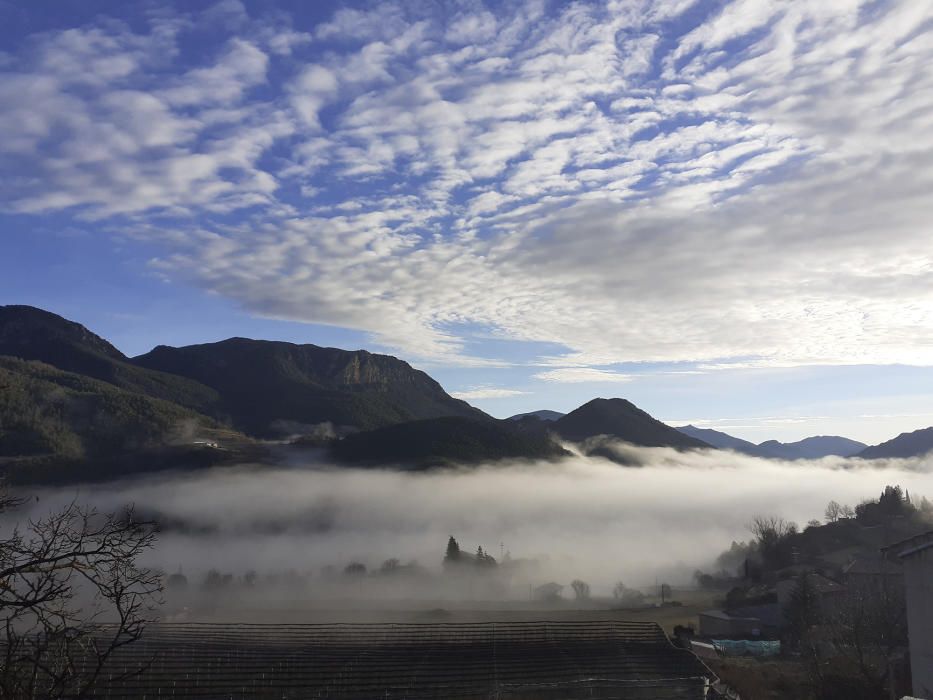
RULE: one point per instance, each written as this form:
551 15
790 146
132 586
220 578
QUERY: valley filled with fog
577 518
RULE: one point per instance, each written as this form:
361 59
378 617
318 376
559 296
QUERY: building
916 554
874 573
515 660
742 623
548 592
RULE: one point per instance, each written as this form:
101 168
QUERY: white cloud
311 91
579 375
241 67
471 28
486 392
112 136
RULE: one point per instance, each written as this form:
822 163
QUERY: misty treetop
457 559
778 544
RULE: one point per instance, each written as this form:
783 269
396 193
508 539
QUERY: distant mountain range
809 448
914 444
73 407
813 447
72 402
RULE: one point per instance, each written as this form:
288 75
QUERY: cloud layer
583 517
739 183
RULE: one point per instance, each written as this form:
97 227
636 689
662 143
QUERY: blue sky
719 210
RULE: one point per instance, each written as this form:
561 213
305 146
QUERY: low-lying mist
582 517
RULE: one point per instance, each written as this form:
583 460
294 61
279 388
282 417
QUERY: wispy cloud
579 375
487 392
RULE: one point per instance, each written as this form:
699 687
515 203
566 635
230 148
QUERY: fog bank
582 517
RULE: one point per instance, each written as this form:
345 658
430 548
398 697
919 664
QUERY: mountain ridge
261 382
264 388
621 419
915 443
814 447
34 334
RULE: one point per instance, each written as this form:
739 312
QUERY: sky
719 210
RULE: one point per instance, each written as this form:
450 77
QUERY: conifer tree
453 551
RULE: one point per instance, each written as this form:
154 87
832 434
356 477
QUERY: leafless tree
581 589
848 649
833 511
71 595
766 528
626 595
772 537
869 628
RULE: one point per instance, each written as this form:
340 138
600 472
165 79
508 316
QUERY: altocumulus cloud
634 180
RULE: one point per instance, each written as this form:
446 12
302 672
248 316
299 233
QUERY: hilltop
621 419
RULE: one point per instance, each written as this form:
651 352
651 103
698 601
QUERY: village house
751 622
916 554
874 573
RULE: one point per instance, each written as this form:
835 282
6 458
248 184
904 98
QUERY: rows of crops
522 659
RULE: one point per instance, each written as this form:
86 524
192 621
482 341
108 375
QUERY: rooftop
522 659
874 565
912 545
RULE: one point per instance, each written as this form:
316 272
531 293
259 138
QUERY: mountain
261 387
267 387
621 419
811 448
541 415
913 444
720 440
34 334
59 427
444 441
808 448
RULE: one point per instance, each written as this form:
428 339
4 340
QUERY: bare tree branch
71 595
